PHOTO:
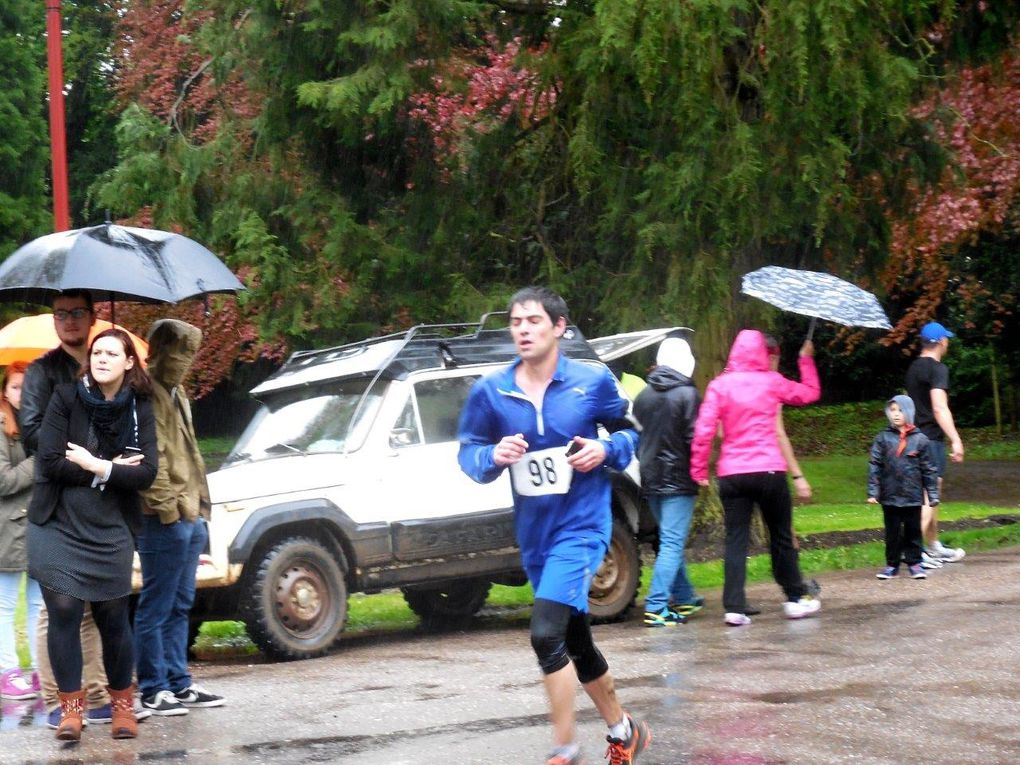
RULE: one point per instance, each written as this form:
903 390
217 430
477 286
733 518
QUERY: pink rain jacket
745 399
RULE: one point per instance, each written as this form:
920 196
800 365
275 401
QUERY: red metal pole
58 139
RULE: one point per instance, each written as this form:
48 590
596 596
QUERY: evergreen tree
25 211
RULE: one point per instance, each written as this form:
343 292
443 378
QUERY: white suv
347 481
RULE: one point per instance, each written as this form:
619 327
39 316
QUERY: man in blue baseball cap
928 385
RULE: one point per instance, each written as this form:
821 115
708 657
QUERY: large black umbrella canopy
114 263
816 294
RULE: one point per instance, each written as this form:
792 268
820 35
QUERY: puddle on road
866 690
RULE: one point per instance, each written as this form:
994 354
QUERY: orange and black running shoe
626 752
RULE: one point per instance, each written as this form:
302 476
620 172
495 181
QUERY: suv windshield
324 421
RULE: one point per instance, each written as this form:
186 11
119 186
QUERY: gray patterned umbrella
816 294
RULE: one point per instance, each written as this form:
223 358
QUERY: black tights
64 639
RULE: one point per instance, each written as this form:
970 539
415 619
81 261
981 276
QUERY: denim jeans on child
10 587
169 557
669 577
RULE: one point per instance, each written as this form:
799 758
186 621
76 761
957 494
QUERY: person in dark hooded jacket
900 471
666 410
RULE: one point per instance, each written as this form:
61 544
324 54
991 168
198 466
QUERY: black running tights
63 641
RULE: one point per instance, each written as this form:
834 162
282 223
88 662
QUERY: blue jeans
169 557
669 577
10 587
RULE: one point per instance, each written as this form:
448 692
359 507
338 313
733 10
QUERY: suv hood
279 476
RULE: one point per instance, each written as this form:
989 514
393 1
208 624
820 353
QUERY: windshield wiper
283 446
239 457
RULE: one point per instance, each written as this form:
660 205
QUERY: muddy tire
614 586
295 603
456 600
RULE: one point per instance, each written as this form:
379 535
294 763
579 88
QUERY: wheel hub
302 597
608 574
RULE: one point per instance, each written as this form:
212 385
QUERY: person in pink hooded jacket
743 402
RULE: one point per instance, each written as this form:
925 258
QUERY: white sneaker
948 554
930 562
736 620
800 608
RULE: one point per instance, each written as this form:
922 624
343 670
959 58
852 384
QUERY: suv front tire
295 603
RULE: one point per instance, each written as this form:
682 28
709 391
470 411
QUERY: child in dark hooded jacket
899 472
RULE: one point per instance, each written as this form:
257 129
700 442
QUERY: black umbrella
114 263
815 294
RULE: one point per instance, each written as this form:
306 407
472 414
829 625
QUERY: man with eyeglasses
73 317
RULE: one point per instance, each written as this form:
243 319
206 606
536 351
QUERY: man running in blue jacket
525 418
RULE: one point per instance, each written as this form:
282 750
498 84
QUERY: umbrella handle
811 329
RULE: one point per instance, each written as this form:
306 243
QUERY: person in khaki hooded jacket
174 533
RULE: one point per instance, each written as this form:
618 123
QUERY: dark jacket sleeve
51 463
875 459
52 469
36 391
140 476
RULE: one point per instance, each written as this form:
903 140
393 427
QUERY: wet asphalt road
891 672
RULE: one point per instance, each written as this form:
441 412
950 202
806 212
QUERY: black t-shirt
924 374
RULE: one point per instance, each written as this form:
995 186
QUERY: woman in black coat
97 450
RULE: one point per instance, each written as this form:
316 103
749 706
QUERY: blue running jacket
552 502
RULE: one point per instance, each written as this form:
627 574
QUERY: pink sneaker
13 686
36 682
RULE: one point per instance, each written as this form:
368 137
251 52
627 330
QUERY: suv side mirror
401 437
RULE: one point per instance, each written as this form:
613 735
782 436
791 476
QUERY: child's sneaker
13 686
887 573
625 752
798 609
734 619
664 618
916 572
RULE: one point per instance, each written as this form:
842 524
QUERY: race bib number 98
541 473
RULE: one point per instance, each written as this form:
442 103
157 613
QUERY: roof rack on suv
423 346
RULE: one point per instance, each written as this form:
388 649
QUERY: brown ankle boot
123 704
72 706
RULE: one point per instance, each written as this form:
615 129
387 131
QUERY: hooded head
905 404
676 354
748 353
172 348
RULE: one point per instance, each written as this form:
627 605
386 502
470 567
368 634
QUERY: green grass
20 637
839 487
215 449
849 429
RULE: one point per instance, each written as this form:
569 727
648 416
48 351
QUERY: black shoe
163 704
197 696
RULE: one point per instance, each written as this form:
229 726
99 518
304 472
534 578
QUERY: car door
442 510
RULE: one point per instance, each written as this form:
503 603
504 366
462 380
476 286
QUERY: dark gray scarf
113 424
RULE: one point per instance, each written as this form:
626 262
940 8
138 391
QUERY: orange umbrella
29 337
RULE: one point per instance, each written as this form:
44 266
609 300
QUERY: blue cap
933 332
